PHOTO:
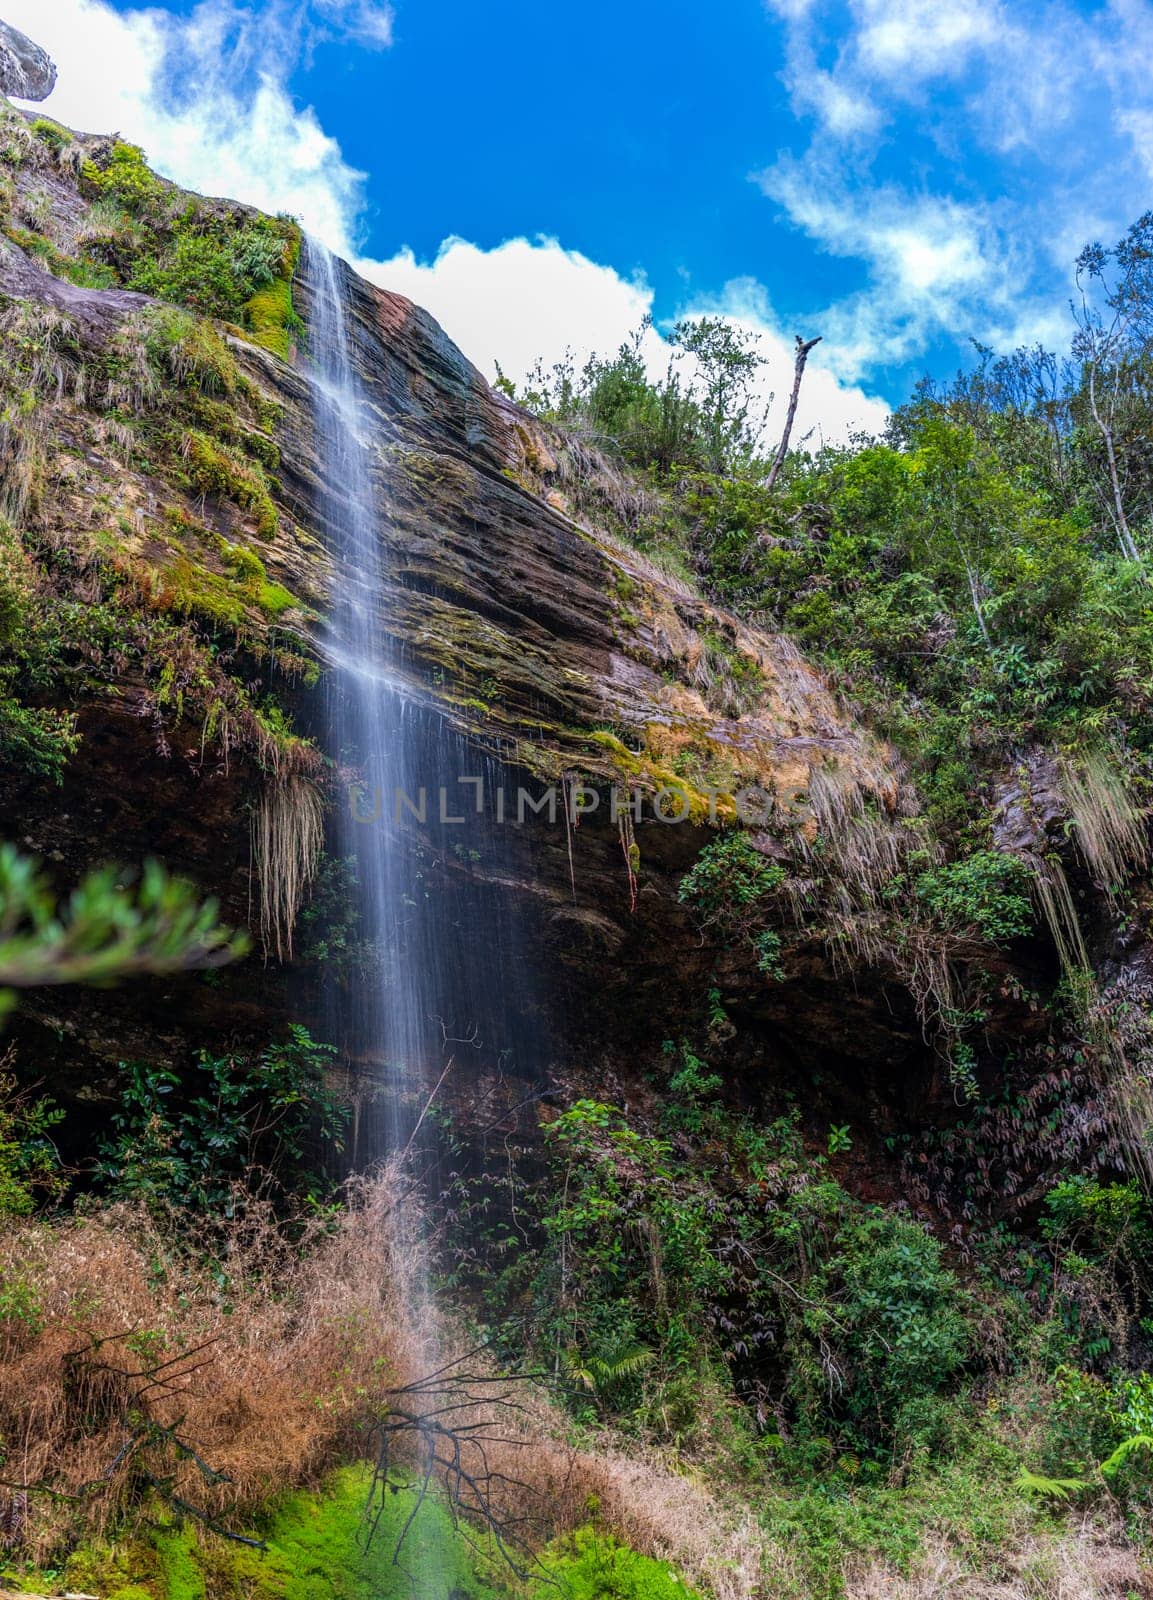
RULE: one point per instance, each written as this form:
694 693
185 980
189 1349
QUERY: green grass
316 1551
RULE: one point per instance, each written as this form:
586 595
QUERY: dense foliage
976 582
972 578
875 1332
268 1122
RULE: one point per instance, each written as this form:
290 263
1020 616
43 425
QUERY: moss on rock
316 1549
269 315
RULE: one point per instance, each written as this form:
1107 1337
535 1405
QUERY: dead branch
802 348
452 1427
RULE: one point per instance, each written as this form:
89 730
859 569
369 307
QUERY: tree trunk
802 347
1128 544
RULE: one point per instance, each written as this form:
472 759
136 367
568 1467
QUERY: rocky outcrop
26 70
543 650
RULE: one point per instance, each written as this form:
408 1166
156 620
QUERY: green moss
274 599
269 315
219 470
316 1552
223 600
245 563
194 591
51 133
589 1565
681 799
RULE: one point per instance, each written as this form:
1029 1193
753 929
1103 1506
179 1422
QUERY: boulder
26 70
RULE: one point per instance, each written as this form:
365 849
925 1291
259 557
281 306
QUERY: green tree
729 364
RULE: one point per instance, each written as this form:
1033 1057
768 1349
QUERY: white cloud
367 21
530 299
830 409
962 153
206 96
519 301
910 40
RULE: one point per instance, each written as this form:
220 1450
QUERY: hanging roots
287 839
1110 828
1115 1020
1055 900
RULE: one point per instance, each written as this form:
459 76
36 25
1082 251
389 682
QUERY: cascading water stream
369 726
445 986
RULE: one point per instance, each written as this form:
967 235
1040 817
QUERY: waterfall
369 727
447 993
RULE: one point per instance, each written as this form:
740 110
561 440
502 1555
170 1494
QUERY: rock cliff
162 466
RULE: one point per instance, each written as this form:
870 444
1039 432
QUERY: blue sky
898 175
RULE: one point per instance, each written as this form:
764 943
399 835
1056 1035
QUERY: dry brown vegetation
125 1363
1089 1561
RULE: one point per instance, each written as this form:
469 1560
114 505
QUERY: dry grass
1089 1561
38 369
1059 912
1110 826
860 846
718 1548
269 1378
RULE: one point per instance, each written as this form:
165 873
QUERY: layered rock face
548 653
26 70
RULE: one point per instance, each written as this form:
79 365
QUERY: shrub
730 881
51 133
890 1316
29 1166
1103 1220
188 1138
691 1087
126 177
39 739
986 894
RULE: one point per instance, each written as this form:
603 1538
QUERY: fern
1033 1483
1139 1441
601 1373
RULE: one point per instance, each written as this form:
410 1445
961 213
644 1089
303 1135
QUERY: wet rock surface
547 652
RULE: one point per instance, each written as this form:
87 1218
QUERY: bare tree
803 346
1114 317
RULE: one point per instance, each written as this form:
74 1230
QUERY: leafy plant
986 895
191 1138
840 1140
691 1087
29 1165
604 1373
109 928
1042 1488
730 884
